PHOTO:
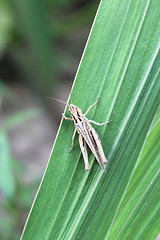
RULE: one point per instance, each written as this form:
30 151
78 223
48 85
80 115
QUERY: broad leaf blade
121 65
140 205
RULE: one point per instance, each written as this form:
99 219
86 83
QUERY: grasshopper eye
74 119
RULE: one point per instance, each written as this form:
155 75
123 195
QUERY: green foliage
121 65
7 184
16 197
29 33
36 58
6 25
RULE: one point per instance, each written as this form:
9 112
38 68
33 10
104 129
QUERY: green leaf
20 117
34 55
120 65
140 204
7 183
6 25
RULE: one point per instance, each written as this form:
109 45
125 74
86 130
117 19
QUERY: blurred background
41 43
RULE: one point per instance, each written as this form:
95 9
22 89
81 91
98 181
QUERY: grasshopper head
72 109
76 113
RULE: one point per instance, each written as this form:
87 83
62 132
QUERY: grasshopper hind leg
83 147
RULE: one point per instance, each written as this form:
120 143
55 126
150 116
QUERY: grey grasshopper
87 134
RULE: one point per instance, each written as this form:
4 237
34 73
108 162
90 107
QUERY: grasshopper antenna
55 99
71 96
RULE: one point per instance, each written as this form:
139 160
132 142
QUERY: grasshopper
87 134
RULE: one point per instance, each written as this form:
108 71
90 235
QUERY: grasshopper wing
93 141
83 147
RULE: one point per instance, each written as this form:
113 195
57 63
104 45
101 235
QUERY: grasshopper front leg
91 106
74 133
73 137
67 118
